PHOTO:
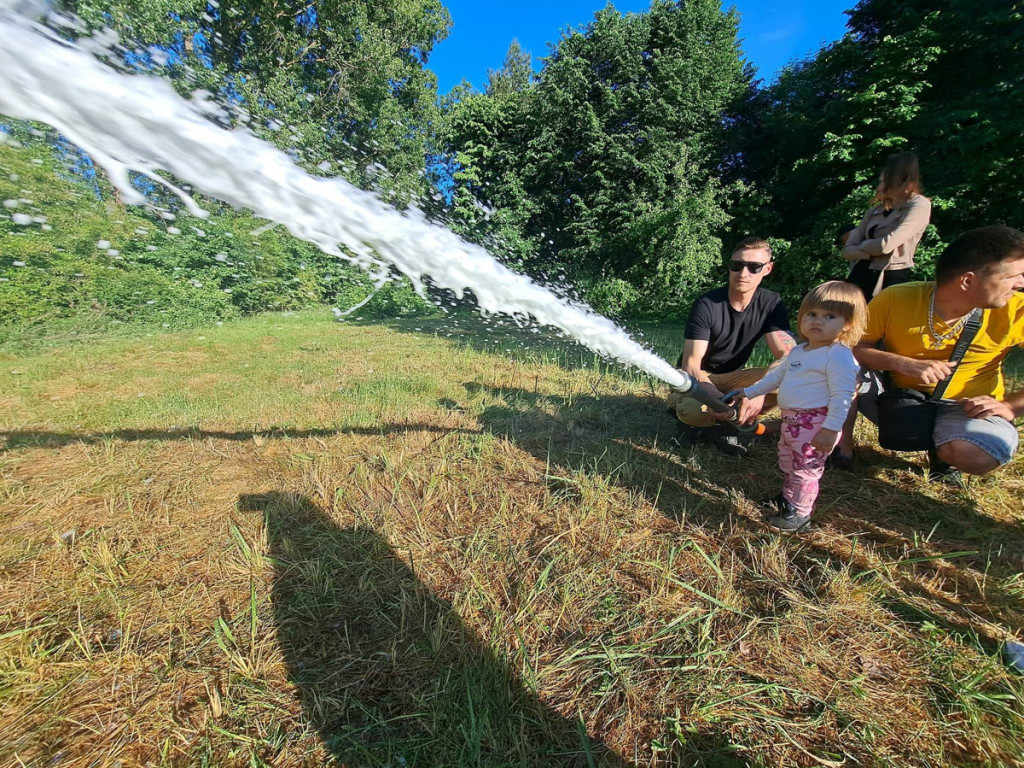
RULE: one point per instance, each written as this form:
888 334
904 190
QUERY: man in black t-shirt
721 332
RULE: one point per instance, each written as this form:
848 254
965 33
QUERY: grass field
285 541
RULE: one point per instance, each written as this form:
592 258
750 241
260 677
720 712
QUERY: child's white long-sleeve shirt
818 378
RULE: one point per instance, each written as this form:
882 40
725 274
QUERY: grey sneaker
726 439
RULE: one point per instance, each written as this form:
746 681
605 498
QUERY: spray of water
136 122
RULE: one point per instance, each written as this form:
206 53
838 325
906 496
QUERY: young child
816 382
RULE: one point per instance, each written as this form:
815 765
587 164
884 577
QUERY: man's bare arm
693 355
926 372
779 342
1016 403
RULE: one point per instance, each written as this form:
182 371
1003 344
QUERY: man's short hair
752 244
977 250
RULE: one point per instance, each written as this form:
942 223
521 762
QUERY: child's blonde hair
843 299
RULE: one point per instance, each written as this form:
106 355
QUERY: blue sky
773 32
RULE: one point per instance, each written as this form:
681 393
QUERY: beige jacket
890 240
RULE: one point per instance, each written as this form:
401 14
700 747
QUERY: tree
609 148
338 82
515 74
942 78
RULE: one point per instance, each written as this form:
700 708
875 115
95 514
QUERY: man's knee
967 457
693 415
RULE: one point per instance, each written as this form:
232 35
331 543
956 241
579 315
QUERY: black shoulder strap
970 330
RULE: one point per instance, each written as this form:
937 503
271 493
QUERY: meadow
287 541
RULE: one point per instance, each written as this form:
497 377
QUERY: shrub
398 298
613 297
147 295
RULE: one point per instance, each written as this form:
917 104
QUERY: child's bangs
835 297
841 307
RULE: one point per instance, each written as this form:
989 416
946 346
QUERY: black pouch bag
906 417
906 420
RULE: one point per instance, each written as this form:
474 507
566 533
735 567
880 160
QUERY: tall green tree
344 82
515 73
944 78
606 165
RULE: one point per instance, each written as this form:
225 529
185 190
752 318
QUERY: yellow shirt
898 318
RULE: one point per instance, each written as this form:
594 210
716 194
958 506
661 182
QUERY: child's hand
825 440
749 408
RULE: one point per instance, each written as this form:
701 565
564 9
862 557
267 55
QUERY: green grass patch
290 541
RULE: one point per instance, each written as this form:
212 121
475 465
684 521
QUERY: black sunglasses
754 267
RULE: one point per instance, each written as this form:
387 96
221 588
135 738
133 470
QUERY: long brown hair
900 180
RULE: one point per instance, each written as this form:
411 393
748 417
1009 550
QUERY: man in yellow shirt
912 329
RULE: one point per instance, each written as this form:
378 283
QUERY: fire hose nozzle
755 426
690 387
685 388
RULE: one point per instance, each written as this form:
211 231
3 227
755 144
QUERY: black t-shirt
731 335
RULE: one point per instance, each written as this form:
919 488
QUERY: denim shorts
994 435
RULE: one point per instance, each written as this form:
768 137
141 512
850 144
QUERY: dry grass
307 542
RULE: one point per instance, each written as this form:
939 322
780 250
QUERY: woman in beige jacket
881 248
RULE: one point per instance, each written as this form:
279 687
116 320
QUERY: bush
82 254
613 297
143 294
398 298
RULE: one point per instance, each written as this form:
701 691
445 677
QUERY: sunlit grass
286 540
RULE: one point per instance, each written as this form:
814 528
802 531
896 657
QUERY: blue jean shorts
994 435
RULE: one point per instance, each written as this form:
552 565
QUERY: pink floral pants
801 463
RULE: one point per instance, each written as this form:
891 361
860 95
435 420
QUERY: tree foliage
944 79
68 252
623 164
337 81
605 165
514 75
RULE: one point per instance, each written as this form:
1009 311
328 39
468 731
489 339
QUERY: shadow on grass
623 438
38 439
386 672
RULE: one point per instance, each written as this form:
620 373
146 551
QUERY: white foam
137 122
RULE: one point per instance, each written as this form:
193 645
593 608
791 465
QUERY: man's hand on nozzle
712 391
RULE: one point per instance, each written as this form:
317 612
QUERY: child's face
819 326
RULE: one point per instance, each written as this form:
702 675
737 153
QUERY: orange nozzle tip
759 429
